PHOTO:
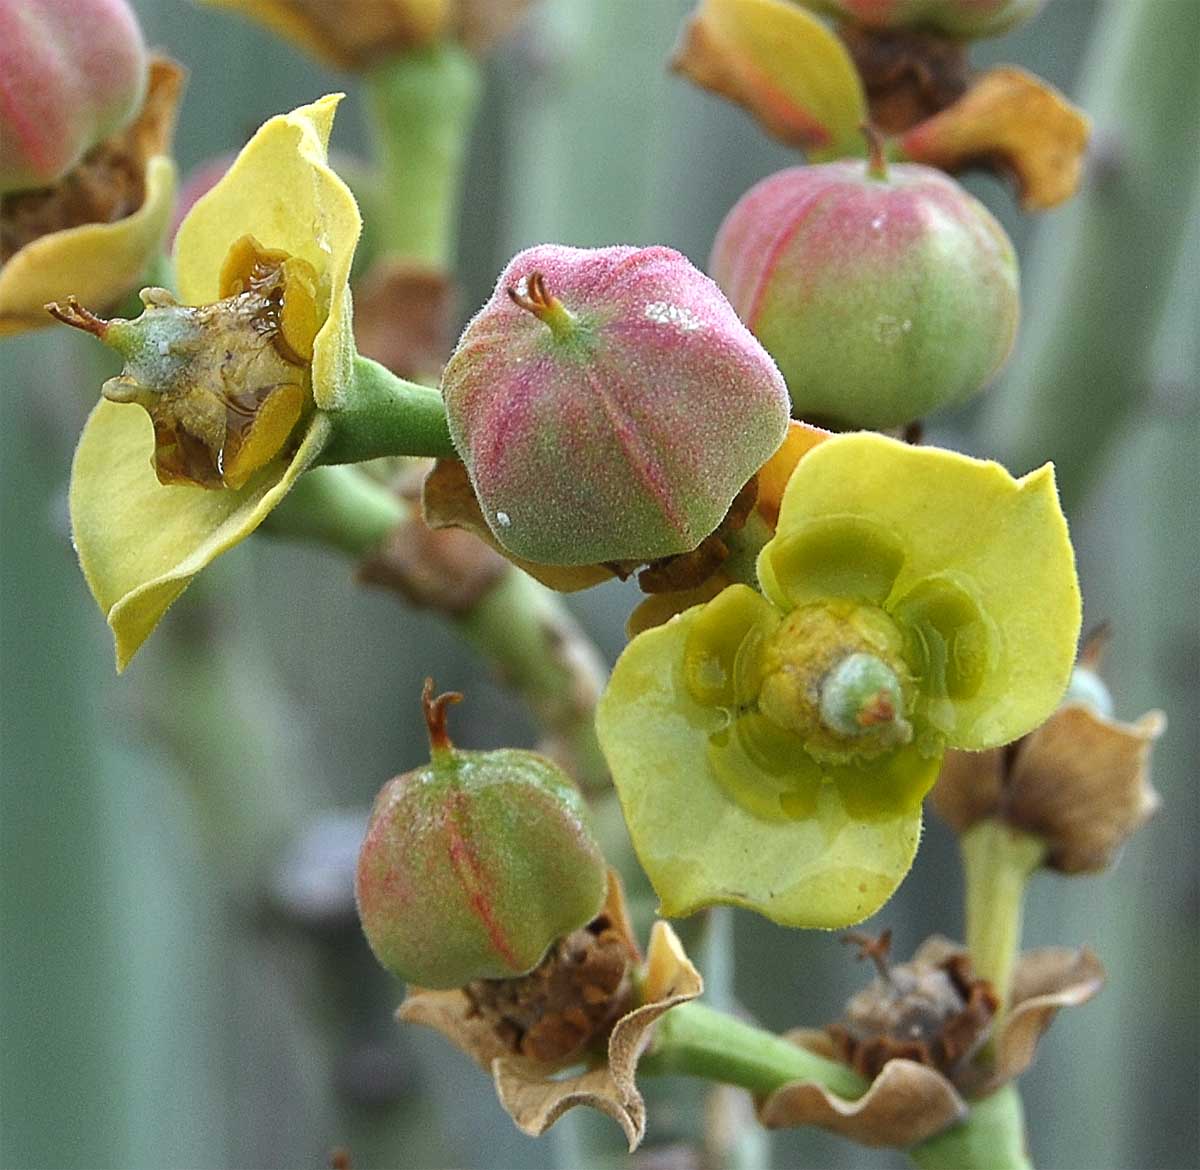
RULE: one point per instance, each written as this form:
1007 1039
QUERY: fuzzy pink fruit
609 405
883 293
71 73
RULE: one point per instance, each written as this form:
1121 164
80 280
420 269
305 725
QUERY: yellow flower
140 542
772 750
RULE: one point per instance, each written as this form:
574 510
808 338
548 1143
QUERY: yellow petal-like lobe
1011 118
828 867
784 66
281 191
966 531
140 543
96 262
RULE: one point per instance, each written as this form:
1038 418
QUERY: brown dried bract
403 318
572 998
908 1101
1080 782
108 183
690 570
449 571
480 24
1011 122
355 34
537 1092
909 75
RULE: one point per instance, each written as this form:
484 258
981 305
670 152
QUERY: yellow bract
140 542
935 536
784 66
281 190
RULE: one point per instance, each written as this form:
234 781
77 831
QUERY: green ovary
814 707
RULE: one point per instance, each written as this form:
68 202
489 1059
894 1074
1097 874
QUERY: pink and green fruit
609 405
474 864
72 72
955 18
883 293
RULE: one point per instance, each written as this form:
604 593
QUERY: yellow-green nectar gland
224 384
531 294
833 676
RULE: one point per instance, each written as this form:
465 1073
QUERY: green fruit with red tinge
474 864
883 293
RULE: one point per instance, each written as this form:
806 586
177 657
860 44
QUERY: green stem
422 105
991 1138
340 507
541 652
698 1041
386 415
999 861
1102 267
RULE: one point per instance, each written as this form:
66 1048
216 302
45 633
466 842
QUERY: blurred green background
182 986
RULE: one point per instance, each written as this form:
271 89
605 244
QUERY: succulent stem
434 707
531 294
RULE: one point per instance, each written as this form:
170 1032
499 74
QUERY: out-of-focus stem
1102 267
422 105
991 1138
522 628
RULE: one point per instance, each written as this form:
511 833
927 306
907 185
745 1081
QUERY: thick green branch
521 627
422 105
1102 269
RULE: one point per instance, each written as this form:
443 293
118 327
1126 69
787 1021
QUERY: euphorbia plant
830 614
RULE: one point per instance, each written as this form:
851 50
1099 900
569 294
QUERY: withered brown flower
1080 782
910 1099
572 1031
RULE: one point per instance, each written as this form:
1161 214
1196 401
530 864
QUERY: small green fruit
883 293
475 864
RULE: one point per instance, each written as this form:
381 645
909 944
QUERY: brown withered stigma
568 1002
434 708
936 1014
224 384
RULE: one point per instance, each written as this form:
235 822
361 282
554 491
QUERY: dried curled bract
1080 782
909 1101
934 1012
571 1032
